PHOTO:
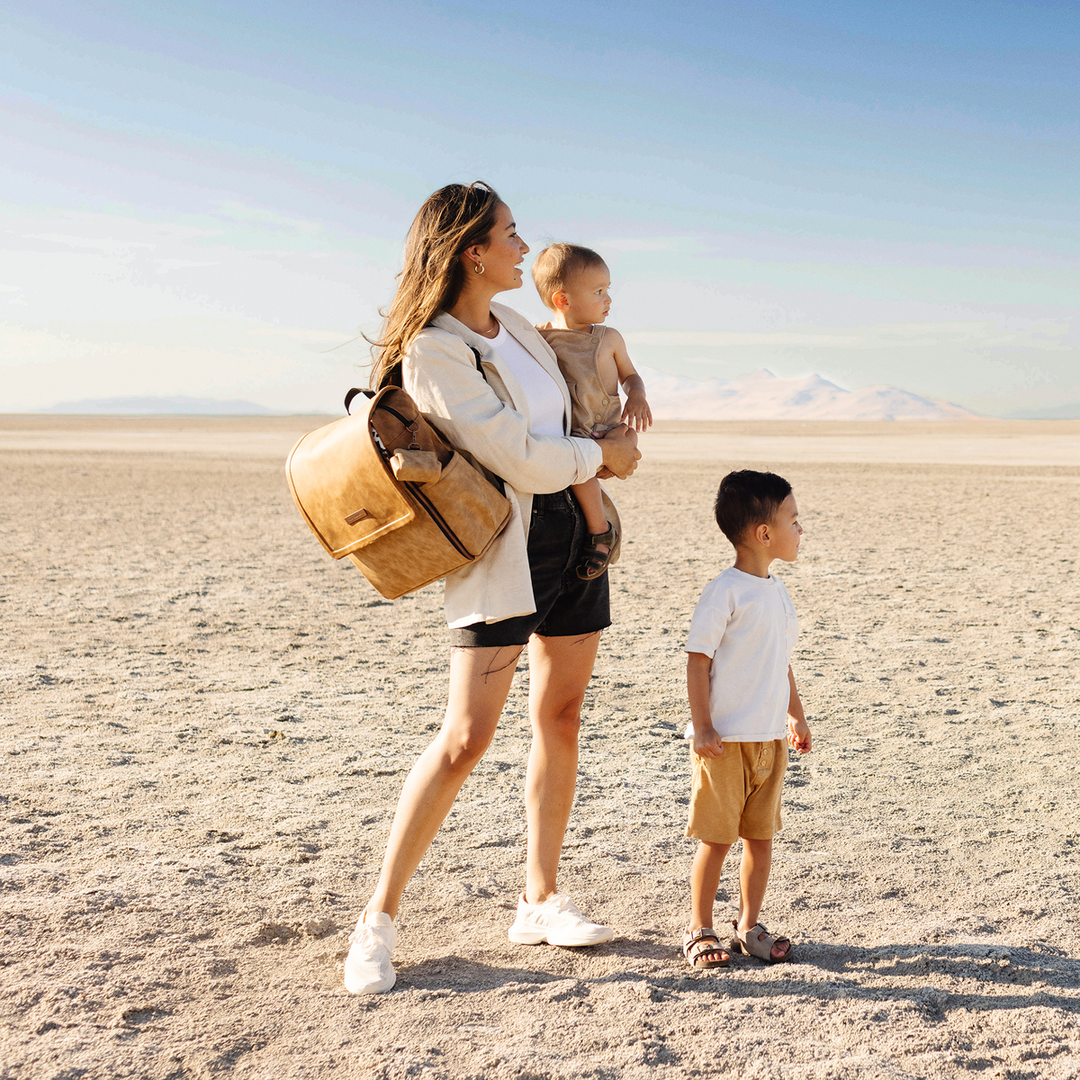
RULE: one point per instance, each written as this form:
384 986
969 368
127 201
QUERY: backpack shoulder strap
352 394
393 378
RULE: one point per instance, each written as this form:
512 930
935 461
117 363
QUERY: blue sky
210 199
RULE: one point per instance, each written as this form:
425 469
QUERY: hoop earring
478 268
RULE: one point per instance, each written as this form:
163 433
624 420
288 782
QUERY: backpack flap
400 425
343 486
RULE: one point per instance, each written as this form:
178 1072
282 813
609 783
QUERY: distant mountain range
161 406
759 396
764 396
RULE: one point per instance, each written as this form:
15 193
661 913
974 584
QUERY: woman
511 419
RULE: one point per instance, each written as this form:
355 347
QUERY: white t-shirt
547 408
748 626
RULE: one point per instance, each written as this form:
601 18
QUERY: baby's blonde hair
557 266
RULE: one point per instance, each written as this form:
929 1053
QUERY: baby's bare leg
592 506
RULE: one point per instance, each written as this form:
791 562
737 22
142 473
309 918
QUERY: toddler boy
744 709
573 282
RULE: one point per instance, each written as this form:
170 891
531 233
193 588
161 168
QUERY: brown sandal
594 562
703 942
757 941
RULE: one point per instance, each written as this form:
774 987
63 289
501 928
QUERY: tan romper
595 410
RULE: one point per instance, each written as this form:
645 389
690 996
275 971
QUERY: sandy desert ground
205 722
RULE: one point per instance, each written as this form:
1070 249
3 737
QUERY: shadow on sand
904 973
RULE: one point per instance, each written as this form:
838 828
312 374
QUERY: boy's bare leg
753 880
592 506
704 881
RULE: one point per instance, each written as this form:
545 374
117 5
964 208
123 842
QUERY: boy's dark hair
558 264
746 499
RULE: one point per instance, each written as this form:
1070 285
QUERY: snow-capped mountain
764 396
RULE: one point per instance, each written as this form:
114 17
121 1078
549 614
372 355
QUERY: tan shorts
738 793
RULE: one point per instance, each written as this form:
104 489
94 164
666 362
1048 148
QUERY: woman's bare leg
559 672
479 683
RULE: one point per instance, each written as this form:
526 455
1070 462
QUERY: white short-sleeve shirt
547 409
748 626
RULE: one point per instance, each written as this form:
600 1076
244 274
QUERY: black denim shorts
566 606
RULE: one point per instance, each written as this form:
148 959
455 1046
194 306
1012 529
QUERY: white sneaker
367 967
556 921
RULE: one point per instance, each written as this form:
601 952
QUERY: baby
573 282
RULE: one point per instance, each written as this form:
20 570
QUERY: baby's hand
707 743
799 735
636 412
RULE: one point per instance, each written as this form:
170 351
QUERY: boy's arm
706 742
798 730
636 411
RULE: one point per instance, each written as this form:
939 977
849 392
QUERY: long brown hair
453 218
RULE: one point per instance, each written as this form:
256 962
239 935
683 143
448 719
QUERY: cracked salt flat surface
206 723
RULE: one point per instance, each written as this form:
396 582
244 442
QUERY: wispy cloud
98 244
1047 335
632 244
267 219
725 338
166 265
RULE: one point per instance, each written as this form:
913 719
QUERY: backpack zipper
438 519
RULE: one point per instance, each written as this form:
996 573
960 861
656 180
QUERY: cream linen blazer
489 421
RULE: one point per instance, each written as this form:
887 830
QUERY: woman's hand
621 454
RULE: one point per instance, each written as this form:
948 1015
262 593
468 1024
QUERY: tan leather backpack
383 487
